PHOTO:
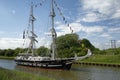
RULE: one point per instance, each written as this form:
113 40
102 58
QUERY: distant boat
30 59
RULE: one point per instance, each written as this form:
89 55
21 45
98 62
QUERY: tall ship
29 58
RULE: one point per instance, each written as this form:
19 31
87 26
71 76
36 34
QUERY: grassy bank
5 57
105 59
17 75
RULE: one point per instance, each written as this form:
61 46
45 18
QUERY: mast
54 35
33 35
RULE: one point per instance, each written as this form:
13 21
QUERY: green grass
5 57
17 75
108 59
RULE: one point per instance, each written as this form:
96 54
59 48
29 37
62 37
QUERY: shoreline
97 64
8 58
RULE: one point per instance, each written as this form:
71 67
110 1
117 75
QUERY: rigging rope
40 4
64 19
32 17
60 12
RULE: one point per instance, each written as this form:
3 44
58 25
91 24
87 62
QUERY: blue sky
96 20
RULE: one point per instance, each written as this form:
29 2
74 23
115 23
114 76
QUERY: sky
96 20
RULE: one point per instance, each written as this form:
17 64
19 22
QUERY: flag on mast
24 34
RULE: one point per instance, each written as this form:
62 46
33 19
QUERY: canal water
77 72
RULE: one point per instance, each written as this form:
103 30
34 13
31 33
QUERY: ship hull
64 64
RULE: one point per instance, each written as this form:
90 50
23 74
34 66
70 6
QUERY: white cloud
114 30
100 5
77 27
57 22
93 29
44 41
62 30
101 45
6 43
116 14
105 35
100 10
12 43
90 17
118 41
98 45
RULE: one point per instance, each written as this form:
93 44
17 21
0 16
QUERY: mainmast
54 35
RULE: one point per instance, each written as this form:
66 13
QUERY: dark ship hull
64 64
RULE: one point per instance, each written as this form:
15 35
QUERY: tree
2 52
87 44
67 45
42 51
18 50
9 52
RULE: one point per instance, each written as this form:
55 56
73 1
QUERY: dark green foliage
2 52
114 51
87 44
9 53
67 45
96 51
42 51
17 50
103 52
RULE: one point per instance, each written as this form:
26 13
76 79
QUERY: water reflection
77 72
8 64
57 74
98 73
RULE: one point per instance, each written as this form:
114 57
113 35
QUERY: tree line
67 46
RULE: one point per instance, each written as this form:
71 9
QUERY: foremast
53 32
33 35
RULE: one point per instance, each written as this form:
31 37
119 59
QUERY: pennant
58 9
40 4
63 18
72 31
35 5
60 13
27 32
68 25
55 3
33 18
24 34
